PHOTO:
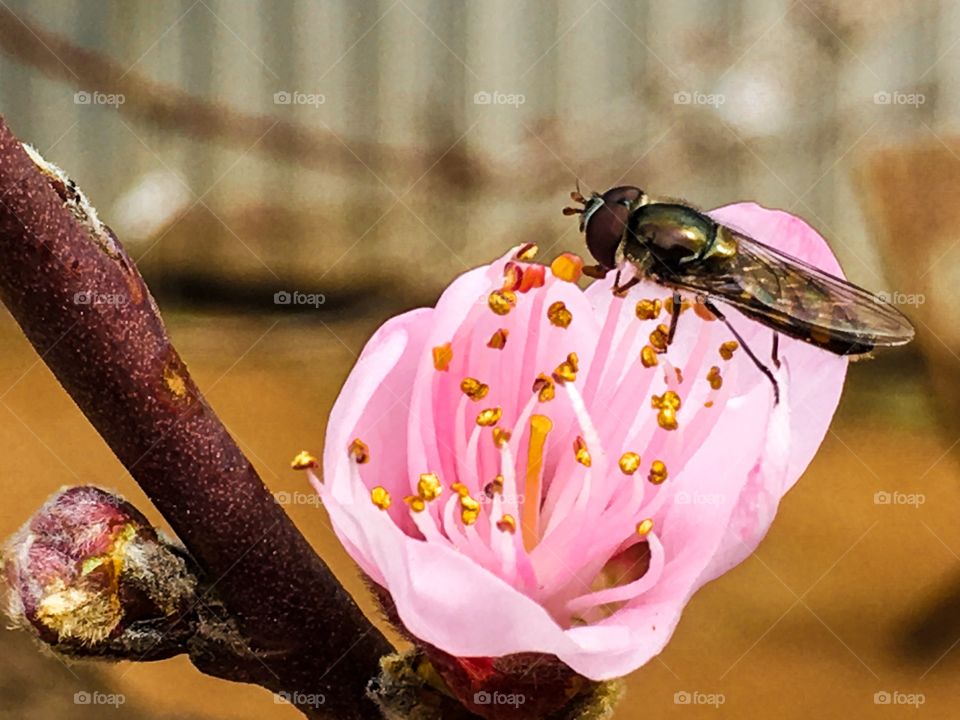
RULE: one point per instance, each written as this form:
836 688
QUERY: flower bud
90 576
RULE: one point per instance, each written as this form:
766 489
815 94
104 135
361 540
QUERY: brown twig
85 308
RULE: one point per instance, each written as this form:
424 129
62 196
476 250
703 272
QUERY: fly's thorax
672 235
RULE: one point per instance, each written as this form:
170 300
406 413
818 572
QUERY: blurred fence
390 143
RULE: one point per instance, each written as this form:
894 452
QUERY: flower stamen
474 389
380 497
359 451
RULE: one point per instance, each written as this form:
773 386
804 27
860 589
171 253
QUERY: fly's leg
621 290
746 348
775 352
674 316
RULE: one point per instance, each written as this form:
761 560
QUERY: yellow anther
580 451
567 370
644 527
442 355
527 252
498 339
544 388
359 451
303 461
667 418
474 389
658 472
489 417
380 497
567 266
648 356
502 301
629 463
500 437
714 378
507 524
648 309
494 487
726 350
428 486
558 315
416 503
659 337
669 399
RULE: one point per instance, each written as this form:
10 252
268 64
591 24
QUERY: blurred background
288 174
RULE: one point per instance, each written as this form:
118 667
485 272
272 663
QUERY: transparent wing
797 298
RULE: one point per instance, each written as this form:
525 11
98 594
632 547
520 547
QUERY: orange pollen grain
416 503
658 338
544 388
580 451
629 463
442 355
502 301
359 451
714 378
498 339
512 276
727 348
701 311
489 417
648 356
507 524
648 309
558 315
658 472
527 252
303 461
428 486
567 267
534 276
380 497
474 389
494 487
565 372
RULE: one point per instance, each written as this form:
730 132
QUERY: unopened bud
91 577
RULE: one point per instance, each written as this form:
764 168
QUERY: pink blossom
530 545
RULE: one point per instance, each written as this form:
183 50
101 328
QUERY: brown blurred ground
844 599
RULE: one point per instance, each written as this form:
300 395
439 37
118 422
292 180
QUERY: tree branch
83 305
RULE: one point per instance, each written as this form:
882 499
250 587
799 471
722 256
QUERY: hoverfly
681 248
